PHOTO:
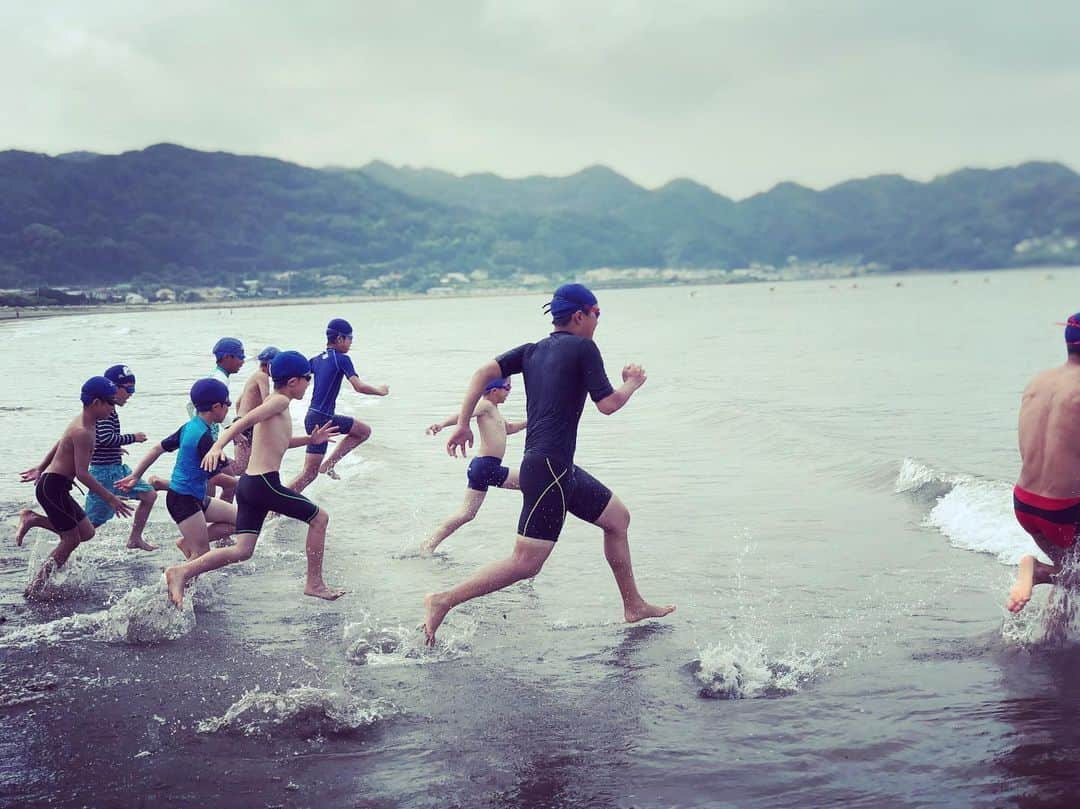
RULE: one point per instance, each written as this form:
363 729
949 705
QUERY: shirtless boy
107 467
260 490
1046 498
200 517
486 469
67 460
329 368
559 372
256 389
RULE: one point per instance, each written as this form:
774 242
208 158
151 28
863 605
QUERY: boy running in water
107 467
486 469
67 460
200 517
256 389
329 368
260 490
560 371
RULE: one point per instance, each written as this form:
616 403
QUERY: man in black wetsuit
559 371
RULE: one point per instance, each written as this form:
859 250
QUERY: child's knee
148 498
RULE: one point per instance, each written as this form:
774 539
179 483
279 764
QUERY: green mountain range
167 214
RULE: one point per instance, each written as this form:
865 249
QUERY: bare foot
436 606
25 516
645 610
1020 594
140 544
428 548
322 591
36 588
327 469
174 580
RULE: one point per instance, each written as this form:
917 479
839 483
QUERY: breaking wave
972 513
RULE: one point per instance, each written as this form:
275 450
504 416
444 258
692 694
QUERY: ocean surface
819 475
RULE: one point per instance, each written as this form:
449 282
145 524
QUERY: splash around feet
174 581
435 608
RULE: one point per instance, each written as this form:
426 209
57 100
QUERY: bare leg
28 519
193 530
615 520
138 522
525 562
316 543
69 541
177 576
473 501
359 433
308 473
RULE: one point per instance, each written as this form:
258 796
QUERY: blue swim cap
1072 330
121 376
228 346
98 387
338 327
496 383
269 353
569 298
208 392
288 364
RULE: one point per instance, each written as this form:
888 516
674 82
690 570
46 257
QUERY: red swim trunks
1056 519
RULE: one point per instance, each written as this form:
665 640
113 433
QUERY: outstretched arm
463 435
34 472
448 421
323 434
370 390
147 461
516 426
633 378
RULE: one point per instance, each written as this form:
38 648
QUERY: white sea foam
972 513
303 712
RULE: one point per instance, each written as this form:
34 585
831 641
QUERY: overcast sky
736 94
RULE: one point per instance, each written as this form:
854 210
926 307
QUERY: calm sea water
819 476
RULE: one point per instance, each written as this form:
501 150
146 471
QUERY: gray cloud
738 95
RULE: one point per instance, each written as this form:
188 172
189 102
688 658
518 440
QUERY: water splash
743 669
142 616
371 644
304 712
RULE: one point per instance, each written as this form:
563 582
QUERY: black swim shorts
182 506
550 489
258 495
487 470
53 491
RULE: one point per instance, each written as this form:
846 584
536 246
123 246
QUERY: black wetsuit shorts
550 489
258 495
53 491
182 506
